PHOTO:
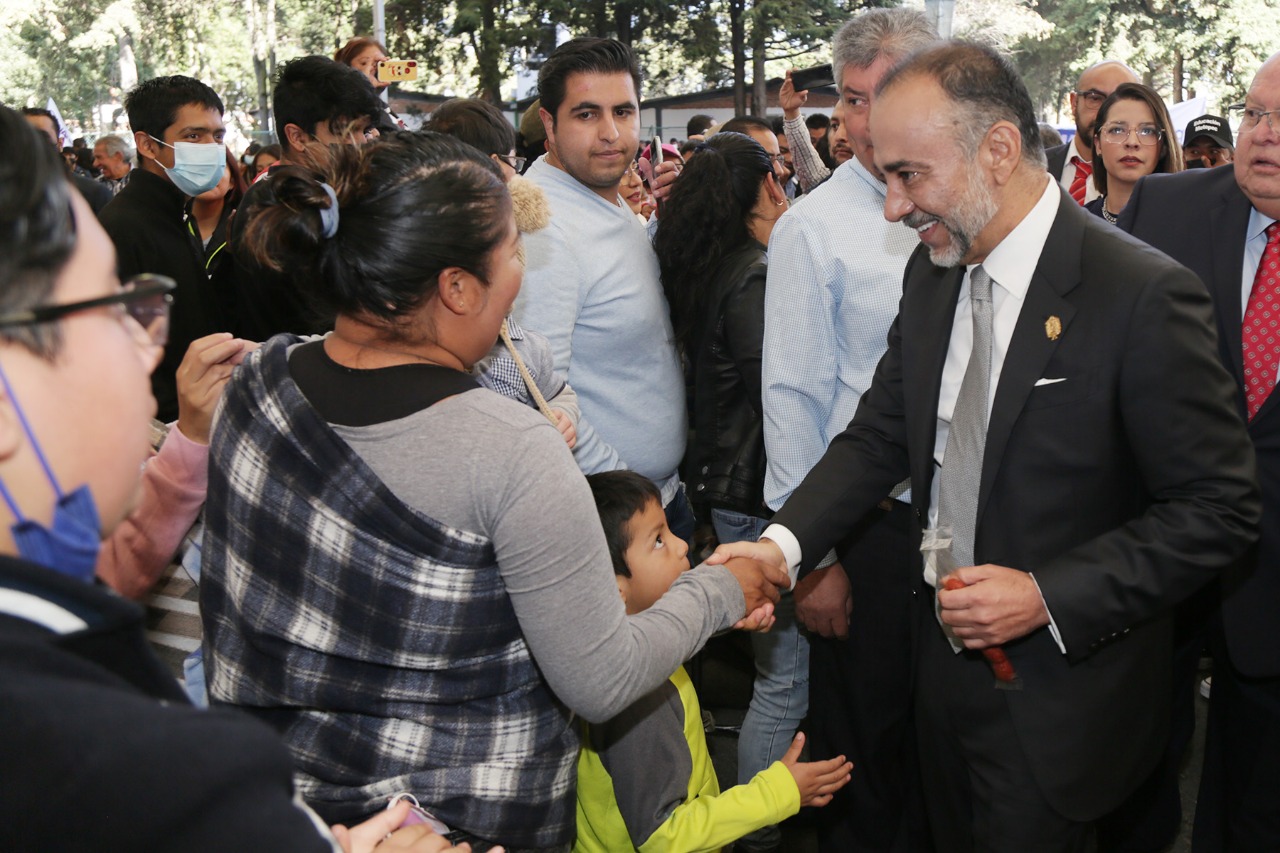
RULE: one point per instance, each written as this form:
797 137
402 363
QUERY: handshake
761 570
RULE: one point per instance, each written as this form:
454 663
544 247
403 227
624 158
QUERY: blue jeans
780 697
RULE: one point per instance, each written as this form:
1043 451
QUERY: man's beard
969 216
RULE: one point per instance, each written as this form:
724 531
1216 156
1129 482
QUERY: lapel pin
1053 328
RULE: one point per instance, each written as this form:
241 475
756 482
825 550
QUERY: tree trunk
759 81
128 62
738 46
488 54
1178 76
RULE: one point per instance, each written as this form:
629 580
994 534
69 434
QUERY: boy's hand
817 780
758 581
566 427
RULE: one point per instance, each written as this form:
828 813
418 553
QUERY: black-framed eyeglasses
1118 134
143 301
1251 117
1092 97
513 161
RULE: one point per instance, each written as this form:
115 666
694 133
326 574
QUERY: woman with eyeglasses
1133 137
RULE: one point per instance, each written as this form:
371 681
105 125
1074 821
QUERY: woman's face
632 190
263 162
366 62
1126 157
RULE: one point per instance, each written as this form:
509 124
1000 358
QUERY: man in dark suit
1071 164
1088 458
1219 222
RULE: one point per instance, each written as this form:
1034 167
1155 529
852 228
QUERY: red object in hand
1001 666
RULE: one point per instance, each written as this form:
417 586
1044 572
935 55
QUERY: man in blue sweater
591 285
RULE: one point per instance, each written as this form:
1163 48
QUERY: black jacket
726 461
101 750
147 221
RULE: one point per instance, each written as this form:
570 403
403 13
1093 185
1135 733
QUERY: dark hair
778 125
817 121
583 56
745 124
348 52
310 90
477 123
1171 152
409 207
983 83
272 150
37 229
153 105
698 124
239 186
41 111
687 147
620 496
707 216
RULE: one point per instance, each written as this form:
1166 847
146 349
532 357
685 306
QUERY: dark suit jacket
1199 218
1123 488
1057 157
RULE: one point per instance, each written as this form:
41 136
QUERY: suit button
706 469
702 487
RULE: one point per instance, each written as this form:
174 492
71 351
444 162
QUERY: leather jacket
726 460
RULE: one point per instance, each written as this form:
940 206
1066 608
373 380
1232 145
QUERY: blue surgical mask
197 166
71 543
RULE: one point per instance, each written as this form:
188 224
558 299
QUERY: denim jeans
780 697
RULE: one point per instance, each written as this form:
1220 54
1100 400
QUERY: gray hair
115 145
894 33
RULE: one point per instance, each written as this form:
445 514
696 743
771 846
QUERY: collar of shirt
1013 261
554 174
854 168
1255 244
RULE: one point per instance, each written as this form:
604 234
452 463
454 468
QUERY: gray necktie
961 473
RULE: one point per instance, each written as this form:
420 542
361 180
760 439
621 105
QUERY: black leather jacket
726 461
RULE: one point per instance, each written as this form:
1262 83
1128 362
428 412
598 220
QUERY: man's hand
824 602
759 581
997 604
790 100
201 377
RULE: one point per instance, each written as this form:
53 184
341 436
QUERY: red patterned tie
1261 329
1078 183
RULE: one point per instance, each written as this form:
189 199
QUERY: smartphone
655 151
810 78
393 70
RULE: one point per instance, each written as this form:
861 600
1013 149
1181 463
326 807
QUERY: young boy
645 780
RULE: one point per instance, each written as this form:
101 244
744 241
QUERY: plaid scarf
380 643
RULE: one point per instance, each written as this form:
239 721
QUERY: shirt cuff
786 540
1053 626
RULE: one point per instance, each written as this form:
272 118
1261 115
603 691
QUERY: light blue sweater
591 287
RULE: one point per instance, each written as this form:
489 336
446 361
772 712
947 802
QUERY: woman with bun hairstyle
710 242
404 572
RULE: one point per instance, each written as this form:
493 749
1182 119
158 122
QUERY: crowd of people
980 431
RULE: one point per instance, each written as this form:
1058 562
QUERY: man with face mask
177 130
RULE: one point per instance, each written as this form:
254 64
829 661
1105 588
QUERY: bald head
1095 85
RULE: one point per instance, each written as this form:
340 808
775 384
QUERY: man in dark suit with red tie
1052 389
1071 164
1222 224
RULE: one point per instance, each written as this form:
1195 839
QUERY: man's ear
1001 150
296 136
145 145
548 124
12 436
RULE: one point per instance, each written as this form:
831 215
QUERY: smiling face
596 131
655 557
1257 160
1128 160
934 186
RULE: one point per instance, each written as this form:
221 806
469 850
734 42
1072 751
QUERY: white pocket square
1040 382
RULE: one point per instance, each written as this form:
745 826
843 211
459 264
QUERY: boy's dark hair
583 56
153 105
37 232
817 121
620 496
478 123
41 111
311 90
744 125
